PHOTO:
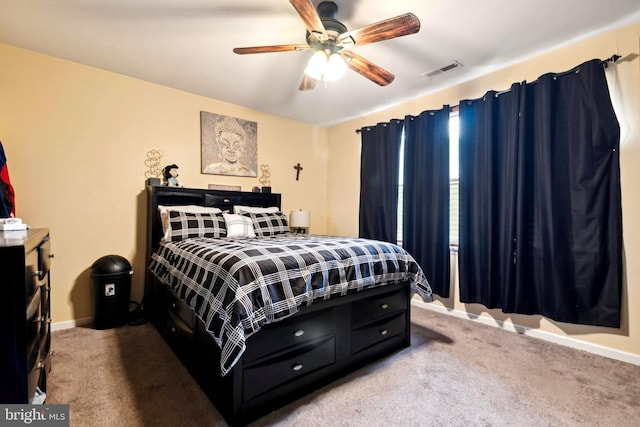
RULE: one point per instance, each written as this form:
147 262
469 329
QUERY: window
400 189
454 178
454 181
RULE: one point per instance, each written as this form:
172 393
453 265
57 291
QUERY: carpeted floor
456 373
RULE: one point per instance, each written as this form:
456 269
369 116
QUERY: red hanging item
7 195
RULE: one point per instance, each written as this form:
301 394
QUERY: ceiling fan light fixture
329 40
325 67
317 65
335 67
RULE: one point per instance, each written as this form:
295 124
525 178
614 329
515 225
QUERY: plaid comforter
235 286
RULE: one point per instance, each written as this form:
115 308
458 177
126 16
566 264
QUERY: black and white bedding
237 285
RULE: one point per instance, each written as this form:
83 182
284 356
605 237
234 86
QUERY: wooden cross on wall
298 168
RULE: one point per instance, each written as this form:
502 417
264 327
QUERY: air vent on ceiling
451 66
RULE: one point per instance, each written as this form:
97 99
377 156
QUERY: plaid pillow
238 226
268 224
164 216
187 224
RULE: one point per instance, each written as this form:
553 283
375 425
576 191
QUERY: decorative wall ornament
265 180
265 176
298 168
153 163
229 145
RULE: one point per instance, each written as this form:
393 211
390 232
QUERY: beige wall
344 146
76 139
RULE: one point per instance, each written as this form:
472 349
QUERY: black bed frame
285 360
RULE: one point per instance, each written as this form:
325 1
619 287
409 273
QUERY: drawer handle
226 200
384 332
299 333
297 367
384 306
173 330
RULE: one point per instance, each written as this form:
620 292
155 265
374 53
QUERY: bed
261 320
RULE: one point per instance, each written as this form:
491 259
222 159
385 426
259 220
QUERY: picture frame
224 187
229 145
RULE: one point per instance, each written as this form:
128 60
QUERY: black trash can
110 291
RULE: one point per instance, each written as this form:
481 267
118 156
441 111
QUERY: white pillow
238 225
253 209
164 216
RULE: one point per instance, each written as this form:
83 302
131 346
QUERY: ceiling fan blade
307 83
268 49
310 17
384 30
366 68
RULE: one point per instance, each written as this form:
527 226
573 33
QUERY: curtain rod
605 63
613 59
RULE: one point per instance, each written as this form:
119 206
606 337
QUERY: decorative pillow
268 224
187 224
238 225
164 216
238 209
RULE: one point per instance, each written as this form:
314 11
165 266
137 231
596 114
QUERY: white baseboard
68 324
600 350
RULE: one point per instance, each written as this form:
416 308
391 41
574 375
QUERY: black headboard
172 196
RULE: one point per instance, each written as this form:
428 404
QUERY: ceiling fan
331 41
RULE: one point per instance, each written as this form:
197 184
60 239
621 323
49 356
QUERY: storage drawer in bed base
180 338
176 323
250 410
266 379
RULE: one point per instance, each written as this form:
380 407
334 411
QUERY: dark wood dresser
25 316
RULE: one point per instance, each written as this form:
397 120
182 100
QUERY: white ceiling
187 44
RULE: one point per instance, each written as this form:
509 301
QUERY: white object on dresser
9 224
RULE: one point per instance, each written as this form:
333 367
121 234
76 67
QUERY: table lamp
300 220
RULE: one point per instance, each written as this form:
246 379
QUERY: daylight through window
453 181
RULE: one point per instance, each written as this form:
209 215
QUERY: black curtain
540 203
379 168
425 219
488 155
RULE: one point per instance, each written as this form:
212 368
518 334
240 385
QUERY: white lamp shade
300 219
317 65
335 68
